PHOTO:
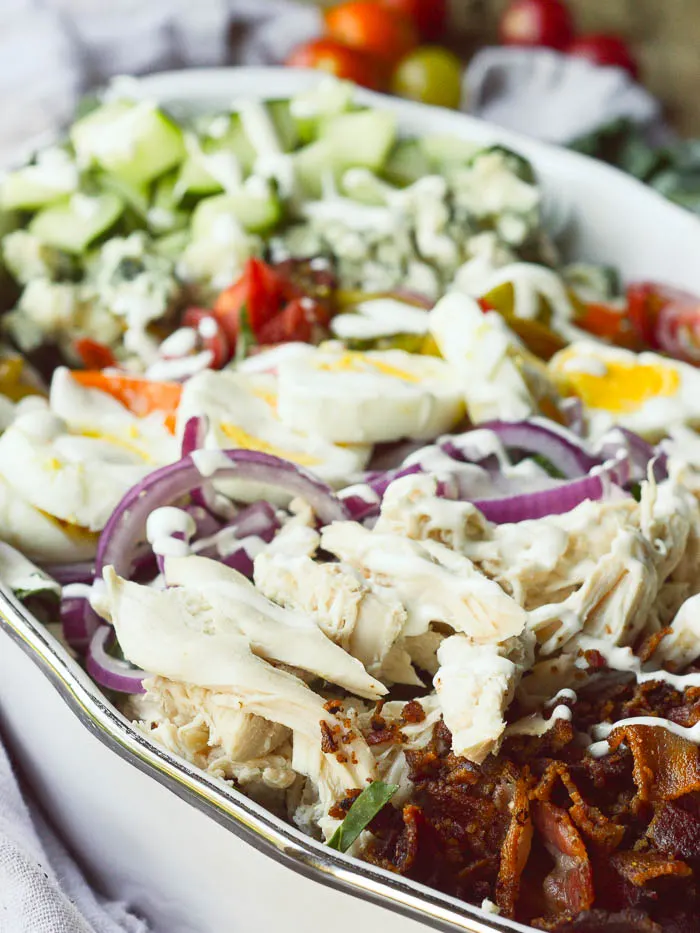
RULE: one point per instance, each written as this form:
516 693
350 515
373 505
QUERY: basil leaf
246 337
361 814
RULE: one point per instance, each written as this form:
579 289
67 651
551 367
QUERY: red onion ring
110 672
558 445
78 622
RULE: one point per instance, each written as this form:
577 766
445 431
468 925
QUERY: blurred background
618 79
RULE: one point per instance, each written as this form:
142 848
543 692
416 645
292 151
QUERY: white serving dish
184 850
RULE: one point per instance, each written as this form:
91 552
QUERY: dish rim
227 806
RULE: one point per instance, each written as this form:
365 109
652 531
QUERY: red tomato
339 60
93 354
210 334
605 50
666 318
300 320
365 25
537 22
428 16
610 323
258 292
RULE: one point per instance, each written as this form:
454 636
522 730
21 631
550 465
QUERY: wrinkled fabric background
51 52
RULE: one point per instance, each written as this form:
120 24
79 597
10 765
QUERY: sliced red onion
241 561
207 524
194 435
556 501
563 449
65 574
78 622
639 452
257 523
258 520
573 412
363 500
126 527
108 671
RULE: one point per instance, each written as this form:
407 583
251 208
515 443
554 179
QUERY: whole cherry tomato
605 50
536 23
428 16
375 29
430 74
339 60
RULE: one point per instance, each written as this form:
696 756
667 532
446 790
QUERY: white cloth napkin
42 890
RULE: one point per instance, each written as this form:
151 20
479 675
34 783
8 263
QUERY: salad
347 489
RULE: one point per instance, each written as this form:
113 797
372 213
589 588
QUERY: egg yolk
358 362
242 439
623 388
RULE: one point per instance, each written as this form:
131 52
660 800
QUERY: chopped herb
361 814
547 466
246 337
636 491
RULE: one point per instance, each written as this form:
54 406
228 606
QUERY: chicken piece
411 507
475 685
667 514
432 582
422 650
614 602
345 607
682 645
179 635
231 605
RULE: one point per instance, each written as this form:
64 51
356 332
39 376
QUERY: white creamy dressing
21 575
77 591
181 342
603 730
180 368
380 317
169 531
625 660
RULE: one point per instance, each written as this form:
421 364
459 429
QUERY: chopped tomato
257 293
210 334
485 305
666 319
300 320
609 323
141 396
93 354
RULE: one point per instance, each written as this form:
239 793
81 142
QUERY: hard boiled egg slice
242 413
365 398
92 414
78 480
644 392
497 375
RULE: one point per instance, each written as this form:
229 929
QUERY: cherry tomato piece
428 16
339 60
210 334
302 319
375 29
257 293
609 323
605 50
432 75
93 354
666 318
537 23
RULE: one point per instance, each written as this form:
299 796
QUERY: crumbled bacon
666 766
568 888
639 868
515 851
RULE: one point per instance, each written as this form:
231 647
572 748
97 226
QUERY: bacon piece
515 851
568 888
675 829
600 921
641 867
666 766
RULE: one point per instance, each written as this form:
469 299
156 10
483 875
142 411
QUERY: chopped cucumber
172 245
54 176
407 163
78 222
285 126
212 161
134 141
312 163
361 139
362 185
448 151
164 215
327 99
256 212
137 197
516 163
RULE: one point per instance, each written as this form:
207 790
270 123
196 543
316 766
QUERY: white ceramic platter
189 853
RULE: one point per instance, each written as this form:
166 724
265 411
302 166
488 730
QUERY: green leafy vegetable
547 466
246 337
361 813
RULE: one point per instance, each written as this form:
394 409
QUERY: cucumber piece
137 197
516 163
328 98
52 178
255 212
164 214
135 141
361 139
205 169
311 164
407 163
448 151
285 125
172 245
361 185
75 224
